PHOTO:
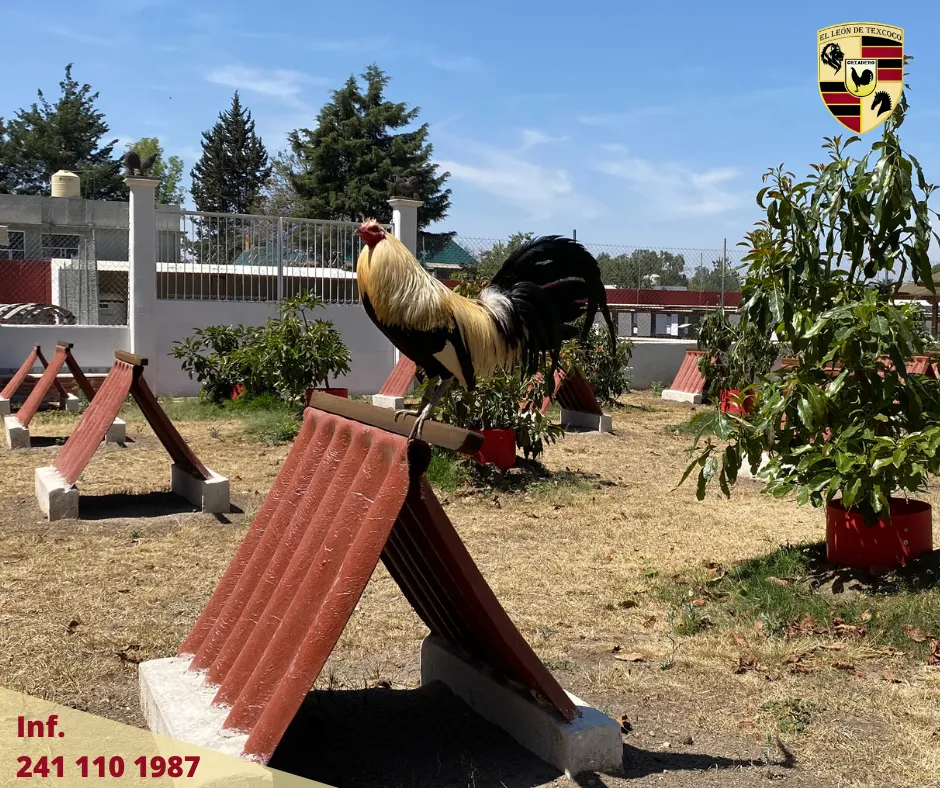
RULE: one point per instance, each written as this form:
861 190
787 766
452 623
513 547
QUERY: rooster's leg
428 409
421 405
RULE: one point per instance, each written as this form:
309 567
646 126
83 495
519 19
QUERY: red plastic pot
237 390
851 543
728 402
335 392
499 447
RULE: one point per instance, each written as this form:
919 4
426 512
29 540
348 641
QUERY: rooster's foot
401 413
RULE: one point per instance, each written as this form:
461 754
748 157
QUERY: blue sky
639 124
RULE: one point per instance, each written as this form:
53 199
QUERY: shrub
737 354
607 370
287 355
501 402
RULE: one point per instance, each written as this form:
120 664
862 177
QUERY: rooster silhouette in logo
832 55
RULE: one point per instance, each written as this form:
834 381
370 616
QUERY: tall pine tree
234 168
349 162
66 135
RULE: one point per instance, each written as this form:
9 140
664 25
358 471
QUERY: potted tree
737 355
822 270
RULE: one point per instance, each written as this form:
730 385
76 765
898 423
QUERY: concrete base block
745 470
682 396
210 495
72 403
178 705
117 432
57 498
590 421
5 407
386 401
591 743
17 434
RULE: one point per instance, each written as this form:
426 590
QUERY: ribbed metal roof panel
398 383
347 494
21 374
689 379
48 379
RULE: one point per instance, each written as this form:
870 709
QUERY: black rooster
864 79
134 166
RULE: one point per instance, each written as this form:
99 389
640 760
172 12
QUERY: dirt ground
576 567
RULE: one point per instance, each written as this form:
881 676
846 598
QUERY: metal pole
724 258
574 235
280 258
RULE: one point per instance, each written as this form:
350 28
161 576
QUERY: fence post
405 221
280 259
142 271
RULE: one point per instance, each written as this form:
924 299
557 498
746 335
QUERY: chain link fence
228 257
64 275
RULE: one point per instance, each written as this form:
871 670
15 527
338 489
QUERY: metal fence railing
73 275
229 257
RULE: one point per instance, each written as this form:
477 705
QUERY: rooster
864 79
522 316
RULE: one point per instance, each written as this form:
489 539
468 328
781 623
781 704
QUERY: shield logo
861 72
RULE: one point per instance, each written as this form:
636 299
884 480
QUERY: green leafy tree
64 135
841 421
168 170
493 258
5 168
349 162
279 197
636 269
715 279
233 169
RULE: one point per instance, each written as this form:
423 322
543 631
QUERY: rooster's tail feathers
547 284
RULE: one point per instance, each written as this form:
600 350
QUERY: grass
593 554
775 590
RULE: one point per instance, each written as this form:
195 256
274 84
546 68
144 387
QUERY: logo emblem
861 72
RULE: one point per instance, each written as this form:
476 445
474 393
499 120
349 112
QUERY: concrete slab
682 396
17 435
72 403
386 401
5 407
117 432
57 498
591 743
210 495
177 703
589 421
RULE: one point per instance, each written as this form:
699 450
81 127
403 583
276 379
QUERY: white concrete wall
372 355
656 360
94 345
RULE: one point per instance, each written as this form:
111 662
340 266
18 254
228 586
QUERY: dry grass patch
596 572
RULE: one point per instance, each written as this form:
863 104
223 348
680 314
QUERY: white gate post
142 273
405 228
405 221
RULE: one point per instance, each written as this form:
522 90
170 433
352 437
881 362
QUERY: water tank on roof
66 184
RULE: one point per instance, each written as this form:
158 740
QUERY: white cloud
616 118
462 63
542 192
281 84
533 137
671 190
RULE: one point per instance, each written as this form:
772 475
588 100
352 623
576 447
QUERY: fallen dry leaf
850 629
890 677
74 624
934 658
844 666
740 641
866 616
838 646
747 723
777 581
126 656
698 603
915 634
633 656
747 663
